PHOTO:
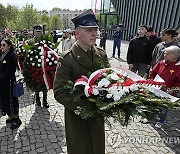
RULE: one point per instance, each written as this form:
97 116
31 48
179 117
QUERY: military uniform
40 30
82 136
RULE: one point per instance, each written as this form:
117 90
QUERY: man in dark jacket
168 37
82 136
139 54
153 40
103 37
117 36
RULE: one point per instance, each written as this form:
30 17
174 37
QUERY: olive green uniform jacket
82 136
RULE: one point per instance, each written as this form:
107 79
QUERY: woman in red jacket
169 70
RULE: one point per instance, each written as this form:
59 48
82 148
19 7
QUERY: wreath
119 94
40 64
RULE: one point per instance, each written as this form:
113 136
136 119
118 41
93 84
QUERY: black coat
8 66
139 51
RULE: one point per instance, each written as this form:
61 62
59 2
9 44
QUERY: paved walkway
42 130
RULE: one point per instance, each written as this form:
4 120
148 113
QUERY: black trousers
9 104
103 44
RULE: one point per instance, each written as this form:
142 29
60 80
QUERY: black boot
38 102
16 123
45 104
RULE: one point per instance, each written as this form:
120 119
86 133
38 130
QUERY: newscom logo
115 139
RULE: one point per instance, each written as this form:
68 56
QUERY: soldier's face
37 33
86 36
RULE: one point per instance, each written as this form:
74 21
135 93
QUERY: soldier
82 136
38 30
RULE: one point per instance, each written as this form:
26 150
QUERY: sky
50 4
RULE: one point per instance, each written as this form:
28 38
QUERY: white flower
42 57
103 83
31 52
113 76
50 63
39 47
47 60
55 62
126 89
49 56
109 95
39 60
45 45
104 74
52 58
121 93
28 55
116 97
31 59
39 65
95 91
113 90
49 41
44 41
36 43
51 46
49 52
36 57
133 87
33 64
41 53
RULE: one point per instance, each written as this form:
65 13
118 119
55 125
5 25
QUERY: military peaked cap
86 19
37 28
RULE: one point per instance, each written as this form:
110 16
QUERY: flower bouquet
120 94
21 52
40 65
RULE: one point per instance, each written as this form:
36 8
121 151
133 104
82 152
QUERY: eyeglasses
3 45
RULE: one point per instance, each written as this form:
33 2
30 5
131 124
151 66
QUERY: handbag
18 89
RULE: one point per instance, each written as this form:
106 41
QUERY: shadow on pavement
40 132
39 135
170 131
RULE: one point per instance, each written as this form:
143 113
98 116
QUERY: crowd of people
147 54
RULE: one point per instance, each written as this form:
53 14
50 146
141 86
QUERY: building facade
159 14
66 15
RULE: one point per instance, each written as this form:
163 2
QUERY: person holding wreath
82 136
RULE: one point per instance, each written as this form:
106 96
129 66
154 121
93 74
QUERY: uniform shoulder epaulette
64 53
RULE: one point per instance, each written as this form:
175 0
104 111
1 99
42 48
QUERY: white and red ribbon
46 77
132 78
